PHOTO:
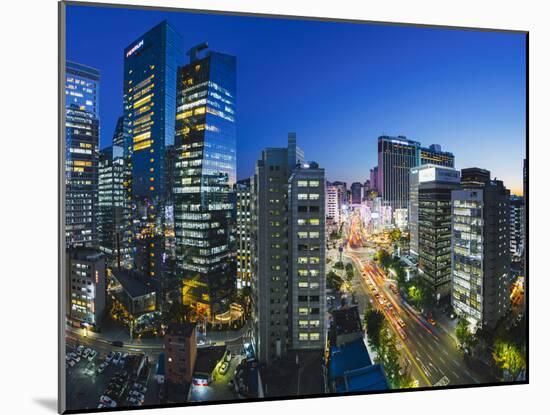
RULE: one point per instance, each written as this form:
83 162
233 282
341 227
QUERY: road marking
446 352
441 359
456 375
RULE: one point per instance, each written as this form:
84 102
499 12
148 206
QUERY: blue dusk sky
338 85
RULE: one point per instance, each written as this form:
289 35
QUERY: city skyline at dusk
464 90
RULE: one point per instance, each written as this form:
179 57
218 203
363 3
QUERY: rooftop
134 283
181 329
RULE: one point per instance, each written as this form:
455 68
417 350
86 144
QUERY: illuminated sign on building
134 48
438 174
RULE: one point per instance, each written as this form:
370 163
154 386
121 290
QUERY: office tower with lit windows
86 286
81 154
343 199
205 173
396 156
270 250
435 156
332 203
150 68
430 223
306 258
244 228
356 193
111 205
517 230
480 248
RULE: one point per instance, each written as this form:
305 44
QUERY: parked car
86 353
109 357
101 367
133 401
116 358
80 350
140 388
92 355
137 395
227 356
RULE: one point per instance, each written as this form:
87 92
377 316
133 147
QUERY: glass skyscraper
205 173
81 157
150 67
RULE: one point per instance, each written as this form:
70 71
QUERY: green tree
374 321
508 358
463 334
395 235
334 281
339 265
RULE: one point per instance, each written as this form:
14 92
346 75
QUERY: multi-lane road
429 350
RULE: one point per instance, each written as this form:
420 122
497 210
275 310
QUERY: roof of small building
133 283
208 358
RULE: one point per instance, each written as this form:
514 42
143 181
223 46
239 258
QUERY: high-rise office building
480 248
356 193
306 257
118 135
86 287
434 155
111 205
81 154
205 173
332 203
270 266
374 178
396 156
244 229
343 199
430 188
150 68
517 230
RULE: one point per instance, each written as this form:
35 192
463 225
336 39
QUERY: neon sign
134 48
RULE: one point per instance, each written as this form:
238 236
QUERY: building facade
433 225
306 241
180 345
86 286
480 250
270 266
396 156
244 229
112 204
205 174
435 156
149 96
81 154
356 193
517 228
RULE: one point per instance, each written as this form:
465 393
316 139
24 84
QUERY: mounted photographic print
258 207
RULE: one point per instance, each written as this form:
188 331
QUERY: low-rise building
180 344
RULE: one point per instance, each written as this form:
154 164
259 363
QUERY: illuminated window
303 336
314 221
302 183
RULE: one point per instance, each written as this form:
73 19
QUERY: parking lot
109 378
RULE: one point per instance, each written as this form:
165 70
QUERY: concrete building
480 250
270 267
244 229
517 227
356 193
332 203
430 201
180 345
86 286
306 257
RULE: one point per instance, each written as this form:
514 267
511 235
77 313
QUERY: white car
137 395
140 388
71 362
79 350
116 358
101 367
92 355
109 357
86 353
74 356
134 401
